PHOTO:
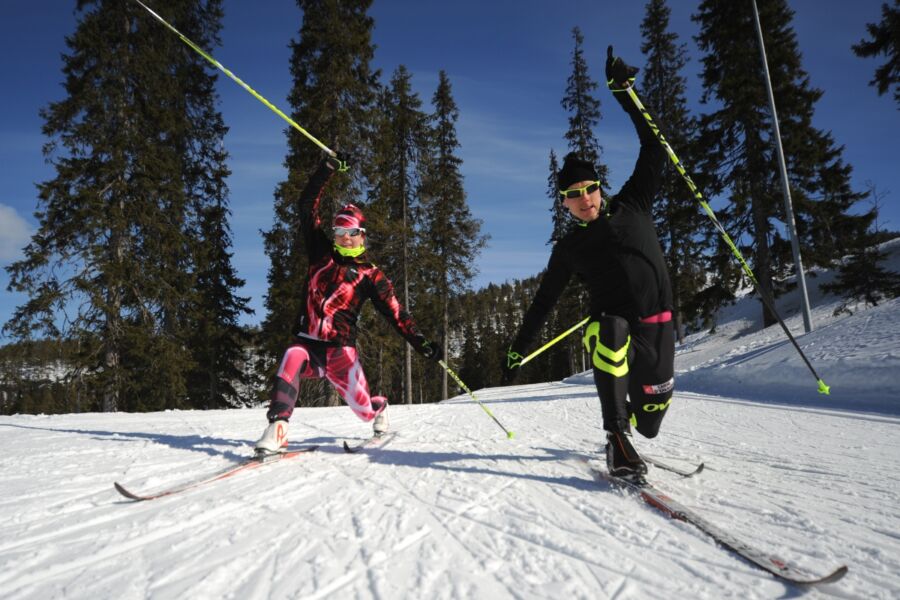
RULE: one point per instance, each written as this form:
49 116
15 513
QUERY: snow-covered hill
452 509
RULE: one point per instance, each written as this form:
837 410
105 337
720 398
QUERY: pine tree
218 341
679 221
885 39
452 237
333 94
739 151
584 109
861 276
214 335
112 265
562 220
395 172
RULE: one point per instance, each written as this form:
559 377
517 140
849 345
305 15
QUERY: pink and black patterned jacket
337 286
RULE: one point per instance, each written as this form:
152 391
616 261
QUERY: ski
674 509
667 467
376 441
245 465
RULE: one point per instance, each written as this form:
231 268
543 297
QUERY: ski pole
237 80
554 340
456 378
823 389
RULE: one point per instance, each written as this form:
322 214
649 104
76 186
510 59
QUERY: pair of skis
642 489
247 464
670 507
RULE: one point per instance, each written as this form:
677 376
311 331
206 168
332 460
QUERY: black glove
432 351
619 75
511 368
340 162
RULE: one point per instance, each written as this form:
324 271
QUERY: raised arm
643 186
317 241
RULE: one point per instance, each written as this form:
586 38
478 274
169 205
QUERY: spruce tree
584 109
562 220
451 236
112 266
679 220
739 152
395 172
333 93
584 116
861 276
217 341
884 39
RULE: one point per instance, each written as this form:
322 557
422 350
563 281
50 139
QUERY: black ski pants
634 366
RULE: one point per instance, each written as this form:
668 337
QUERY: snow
451 508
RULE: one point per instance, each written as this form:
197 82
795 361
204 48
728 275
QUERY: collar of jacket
350 256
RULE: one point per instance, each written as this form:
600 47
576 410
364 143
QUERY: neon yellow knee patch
614 362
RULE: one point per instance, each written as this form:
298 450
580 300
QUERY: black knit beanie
574 170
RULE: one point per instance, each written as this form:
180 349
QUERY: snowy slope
452 509
858 357
449 509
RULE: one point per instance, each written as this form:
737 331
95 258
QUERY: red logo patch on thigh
660 388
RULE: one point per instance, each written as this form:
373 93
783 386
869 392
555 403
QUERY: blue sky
507 62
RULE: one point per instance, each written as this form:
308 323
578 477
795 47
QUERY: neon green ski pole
554 340
823 389
237 80
456 378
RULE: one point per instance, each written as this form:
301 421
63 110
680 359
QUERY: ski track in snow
446 511
452 509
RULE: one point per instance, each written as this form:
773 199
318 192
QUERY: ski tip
124 492
792 576
347 447
835 575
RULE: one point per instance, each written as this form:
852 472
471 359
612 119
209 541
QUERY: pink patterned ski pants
339 364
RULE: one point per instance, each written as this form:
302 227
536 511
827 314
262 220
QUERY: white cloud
15 232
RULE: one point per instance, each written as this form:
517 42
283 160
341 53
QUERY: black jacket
618 255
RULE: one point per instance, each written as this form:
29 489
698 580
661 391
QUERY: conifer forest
134 302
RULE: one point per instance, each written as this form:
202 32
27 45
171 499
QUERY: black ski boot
622 460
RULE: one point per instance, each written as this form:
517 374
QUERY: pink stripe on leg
294 357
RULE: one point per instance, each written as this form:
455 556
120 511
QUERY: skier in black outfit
615 251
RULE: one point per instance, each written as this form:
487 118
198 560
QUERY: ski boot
622 460
274 438
380 425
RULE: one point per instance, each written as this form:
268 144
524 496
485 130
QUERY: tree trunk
407 380
763 259
446 343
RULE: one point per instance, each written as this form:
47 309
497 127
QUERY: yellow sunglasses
582 191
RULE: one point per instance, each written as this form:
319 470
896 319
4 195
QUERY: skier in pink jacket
340 279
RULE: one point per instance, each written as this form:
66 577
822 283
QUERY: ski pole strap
615 90
823 389
554 340
509 434
237 80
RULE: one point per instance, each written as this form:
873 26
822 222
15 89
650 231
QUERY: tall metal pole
788 207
